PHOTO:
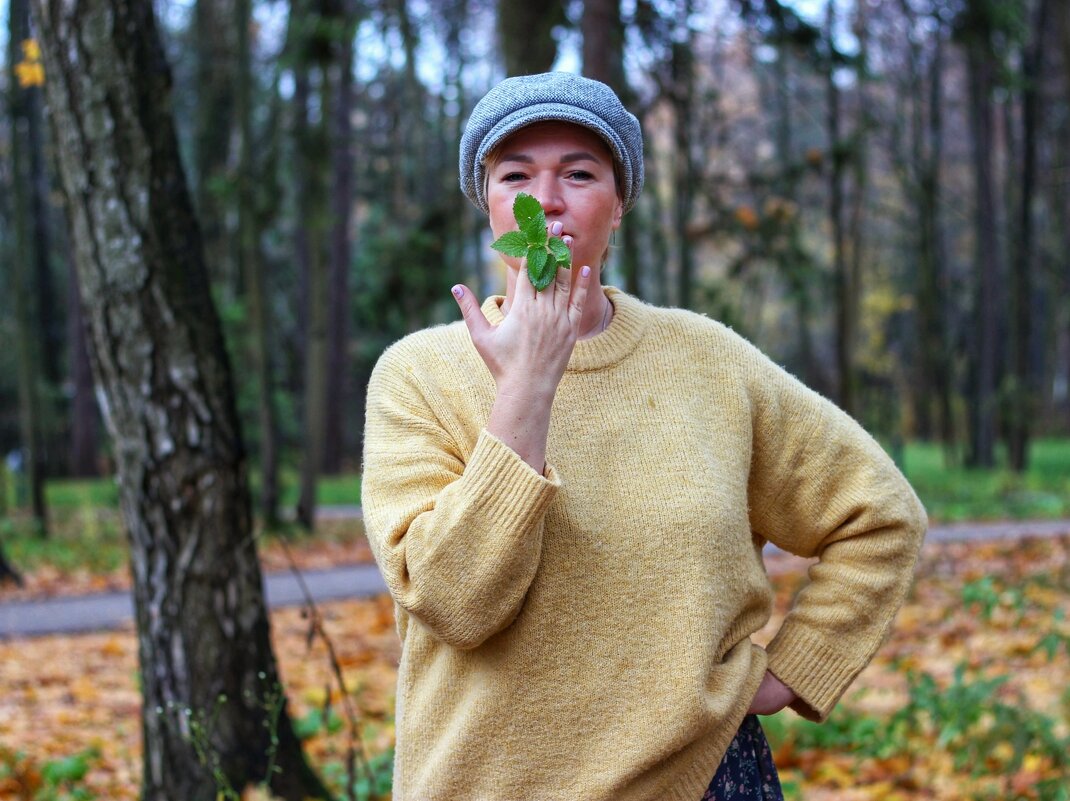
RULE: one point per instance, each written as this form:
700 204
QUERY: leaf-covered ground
969 699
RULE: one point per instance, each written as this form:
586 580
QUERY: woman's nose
548 193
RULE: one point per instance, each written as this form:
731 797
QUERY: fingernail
458 291
555 228
568 241
585 271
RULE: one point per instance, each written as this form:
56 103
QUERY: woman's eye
580 175
513 176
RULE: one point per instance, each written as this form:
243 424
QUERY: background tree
525 34
208 675
30 285
975 28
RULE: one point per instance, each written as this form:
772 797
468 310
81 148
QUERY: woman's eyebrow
568 158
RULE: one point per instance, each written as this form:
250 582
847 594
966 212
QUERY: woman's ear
618 213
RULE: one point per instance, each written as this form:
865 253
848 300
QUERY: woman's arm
457 534
458 537
821 486
527 355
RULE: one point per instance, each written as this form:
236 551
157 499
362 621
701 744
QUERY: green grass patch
87 538
952 493
103 493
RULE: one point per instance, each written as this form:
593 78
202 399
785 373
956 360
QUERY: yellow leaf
834 774
31 51
30 73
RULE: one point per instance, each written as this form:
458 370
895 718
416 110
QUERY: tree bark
216 79
253 269
210 685
24 262
603 43
83 453
1023 399
986 314
314 157
342 145
525 34
841 273
603 60
683 91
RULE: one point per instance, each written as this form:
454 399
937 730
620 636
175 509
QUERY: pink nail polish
585 271
458 291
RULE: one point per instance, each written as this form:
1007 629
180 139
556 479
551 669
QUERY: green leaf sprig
544 253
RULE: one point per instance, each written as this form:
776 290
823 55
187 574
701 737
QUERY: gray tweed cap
517 102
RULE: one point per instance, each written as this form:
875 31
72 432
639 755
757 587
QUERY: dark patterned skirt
747 772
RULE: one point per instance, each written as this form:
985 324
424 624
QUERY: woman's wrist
521 420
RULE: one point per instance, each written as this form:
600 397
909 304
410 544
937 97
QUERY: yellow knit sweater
583 635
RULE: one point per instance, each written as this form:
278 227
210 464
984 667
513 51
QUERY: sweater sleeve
821 486
457 539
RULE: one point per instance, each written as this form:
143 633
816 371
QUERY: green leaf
512 243
527 209
67 769
530 218
562 255
541 269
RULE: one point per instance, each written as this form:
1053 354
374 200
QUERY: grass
340 490
959 493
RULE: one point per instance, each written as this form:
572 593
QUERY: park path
108 610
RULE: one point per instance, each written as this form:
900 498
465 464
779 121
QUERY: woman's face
569 170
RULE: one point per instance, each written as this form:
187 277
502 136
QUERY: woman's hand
772 696
527 355
530 350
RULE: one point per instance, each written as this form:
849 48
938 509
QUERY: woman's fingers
473 315
562 287
579 296
524 287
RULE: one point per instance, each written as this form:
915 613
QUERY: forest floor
967 700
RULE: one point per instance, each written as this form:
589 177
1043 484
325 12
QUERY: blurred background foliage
877 194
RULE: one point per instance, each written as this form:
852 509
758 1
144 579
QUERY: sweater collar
602 350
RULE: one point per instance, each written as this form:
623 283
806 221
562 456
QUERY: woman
568 494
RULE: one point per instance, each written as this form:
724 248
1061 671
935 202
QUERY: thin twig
316 628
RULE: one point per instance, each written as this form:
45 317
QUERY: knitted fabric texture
521 101
585 633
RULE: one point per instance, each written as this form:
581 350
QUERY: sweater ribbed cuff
816 672
497 467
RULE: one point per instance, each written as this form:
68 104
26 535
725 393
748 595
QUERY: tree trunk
8 573
342 144
210 685
253 269
525 34
933 292
856 223
603 60
841 275
986 314
683 82
83 453
1023 400
315 158
603 43
214 55
24 262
